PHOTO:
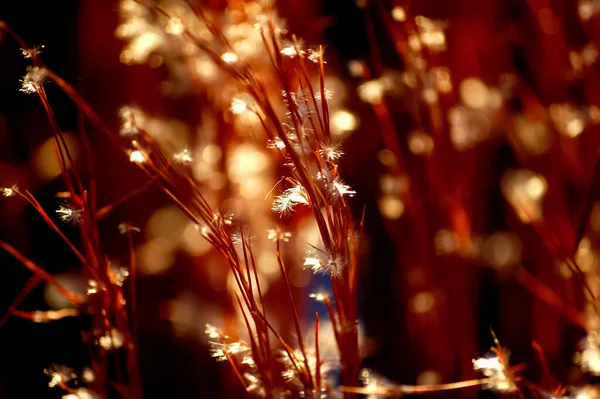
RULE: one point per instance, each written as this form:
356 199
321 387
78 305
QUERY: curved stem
396 390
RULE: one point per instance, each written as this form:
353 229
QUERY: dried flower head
213 332
183 157
30 53
326 92
375 384
254 384
315 55
496 367
131 118
237 347
113 339
328 359
240 237
125 228
333 265
120 274
342 189
34 78
59 375
92 287
291 51
314 262
276 143
222 350
287 201
68 214
9 191
331 151
302 101
137 156
589 357
333 185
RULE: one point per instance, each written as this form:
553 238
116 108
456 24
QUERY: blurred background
472 148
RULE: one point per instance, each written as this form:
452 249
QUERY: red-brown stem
236 371
17 38
60 142
334 321
397 390
323 99
349 356
29 285
132 285
70 91
295 313
257 357
248 275
67 388
317 356
132 359
573 266
74 298
348 349
87 145
288 350
88 232
265 331
36 205
552 242
310 88
251 296
547 295
545 367
46 316
42 95
106 209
